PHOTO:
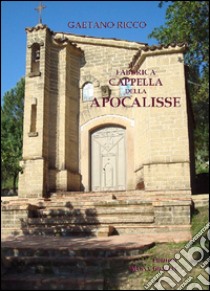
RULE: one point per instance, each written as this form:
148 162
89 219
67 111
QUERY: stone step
87 228
81 203
58 209
101 196
98 198
111 247
36 263
163 233
66 212
95 220
55 266
62 230
68 265
52 282
139 194
105 194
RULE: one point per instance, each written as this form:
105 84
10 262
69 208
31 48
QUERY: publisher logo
184 261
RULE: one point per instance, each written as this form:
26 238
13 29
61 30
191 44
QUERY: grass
137 280
199 219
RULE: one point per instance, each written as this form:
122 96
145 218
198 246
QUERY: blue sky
17 15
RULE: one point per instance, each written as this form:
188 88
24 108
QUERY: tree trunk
14 183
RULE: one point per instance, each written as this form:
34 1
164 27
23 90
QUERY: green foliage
188 21
11 133
201 111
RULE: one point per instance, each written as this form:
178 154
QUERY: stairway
76 241
51 263
66 242
100 214
90 214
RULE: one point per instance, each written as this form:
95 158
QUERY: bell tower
33 180
51 115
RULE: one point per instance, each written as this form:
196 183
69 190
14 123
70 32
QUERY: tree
12 132
187 21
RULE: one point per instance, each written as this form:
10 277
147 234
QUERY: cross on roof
39 9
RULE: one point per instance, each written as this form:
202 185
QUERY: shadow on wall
60 221
201 184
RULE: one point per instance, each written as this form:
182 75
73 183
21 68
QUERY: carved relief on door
108 159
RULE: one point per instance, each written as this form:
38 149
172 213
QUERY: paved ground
112 242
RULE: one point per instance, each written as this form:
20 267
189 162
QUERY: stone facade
59 124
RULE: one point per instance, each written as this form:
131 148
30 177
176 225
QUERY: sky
17 15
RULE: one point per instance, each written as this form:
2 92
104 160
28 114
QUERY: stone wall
158 155
172 213
165 155
11 216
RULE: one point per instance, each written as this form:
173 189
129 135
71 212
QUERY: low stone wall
201 200
12 213
172 212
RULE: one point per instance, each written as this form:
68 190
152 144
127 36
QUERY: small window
33 118
125 90
35 58
87 92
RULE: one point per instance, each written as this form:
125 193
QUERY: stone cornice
63 42
38 27
111 42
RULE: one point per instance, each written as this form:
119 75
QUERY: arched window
35 58
125 88
87 92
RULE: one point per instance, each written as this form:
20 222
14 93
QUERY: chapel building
104 115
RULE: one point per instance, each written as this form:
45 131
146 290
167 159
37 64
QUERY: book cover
105 136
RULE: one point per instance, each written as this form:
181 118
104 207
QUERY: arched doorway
108 159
